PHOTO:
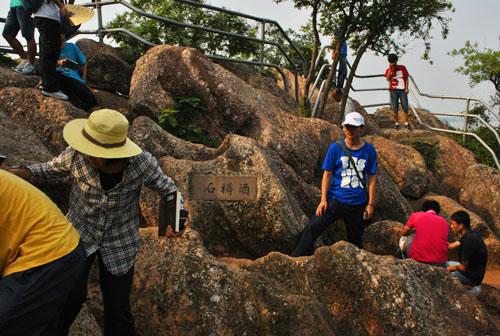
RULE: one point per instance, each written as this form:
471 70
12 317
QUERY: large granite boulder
232 106
181 289
44 116
85 324
10 78
382 238
385 119
390 204
20 144
481 193
106 68
242 228
405 165
446 159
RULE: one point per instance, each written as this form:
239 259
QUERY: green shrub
178 120
481 154
429 152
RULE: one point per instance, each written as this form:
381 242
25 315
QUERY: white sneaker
21 65
56 94
28 69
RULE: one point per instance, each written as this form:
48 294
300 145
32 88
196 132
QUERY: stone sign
223 188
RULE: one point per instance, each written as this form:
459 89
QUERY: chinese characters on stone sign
224 188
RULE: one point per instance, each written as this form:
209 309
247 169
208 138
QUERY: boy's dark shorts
17 19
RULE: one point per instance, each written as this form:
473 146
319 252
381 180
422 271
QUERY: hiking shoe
56 94
407 126
21 65
28 69
396 126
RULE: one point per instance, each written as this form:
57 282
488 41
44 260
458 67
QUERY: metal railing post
262 37
99 21
466 120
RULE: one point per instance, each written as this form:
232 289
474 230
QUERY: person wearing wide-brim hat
107 171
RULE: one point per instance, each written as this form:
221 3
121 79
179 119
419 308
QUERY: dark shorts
17 19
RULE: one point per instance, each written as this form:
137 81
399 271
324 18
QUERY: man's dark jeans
50 46
118 319
353 219
31 301
397 96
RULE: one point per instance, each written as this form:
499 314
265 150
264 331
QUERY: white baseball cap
353 119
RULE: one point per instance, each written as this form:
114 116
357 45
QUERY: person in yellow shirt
41 258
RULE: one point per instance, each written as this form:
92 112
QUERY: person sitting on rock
347 187
473 255
41 259
71 62
429 243
107 171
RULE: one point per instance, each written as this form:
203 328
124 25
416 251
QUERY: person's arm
325 185
62 7
84 72
406 230
460 267
371 196
58 167
406 75
453 245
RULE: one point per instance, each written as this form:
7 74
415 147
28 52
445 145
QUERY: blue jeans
463 279
342 72
396 97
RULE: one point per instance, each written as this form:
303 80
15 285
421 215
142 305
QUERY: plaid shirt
108 221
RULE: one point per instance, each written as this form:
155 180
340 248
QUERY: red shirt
430 244
397 76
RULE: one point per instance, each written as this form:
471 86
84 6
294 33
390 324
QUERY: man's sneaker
28 69
407 126
396 126
56 94
21 65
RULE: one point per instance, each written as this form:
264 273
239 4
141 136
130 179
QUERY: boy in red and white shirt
397 76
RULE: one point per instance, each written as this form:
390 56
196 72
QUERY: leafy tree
315 6
382 26
479 65
162 33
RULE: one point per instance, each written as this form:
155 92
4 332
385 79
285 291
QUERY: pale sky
477 21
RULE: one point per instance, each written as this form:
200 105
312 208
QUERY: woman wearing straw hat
107 170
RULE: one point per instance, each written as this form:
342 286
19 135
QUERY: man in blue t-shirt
347 188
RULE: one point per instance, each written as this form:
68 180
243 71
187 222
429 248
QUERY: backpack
32 6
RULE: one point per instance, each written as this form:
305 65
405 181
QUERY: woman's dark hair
392 58
461 217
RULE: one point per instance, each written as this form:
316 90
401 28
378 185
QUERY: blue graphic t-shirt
345 186
72 52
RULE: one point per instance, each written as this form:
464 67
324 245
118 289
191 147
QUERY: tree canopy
162 33
479 65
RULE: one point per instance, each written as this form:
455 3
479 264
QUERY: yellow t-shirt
33 231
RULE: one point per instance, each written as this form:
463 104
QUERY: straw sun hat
79 14
102 135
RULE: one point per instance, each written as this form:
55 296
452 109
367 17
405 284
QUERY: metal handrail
463 115
98 4
485 145
217 31
251 17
